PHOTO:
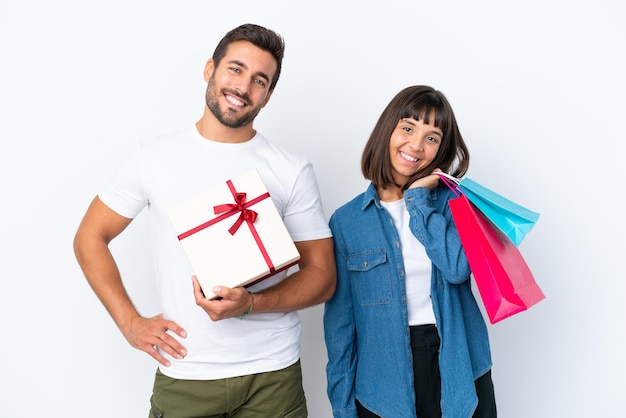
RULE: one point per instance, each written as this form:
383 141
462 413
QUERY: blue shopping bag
514 220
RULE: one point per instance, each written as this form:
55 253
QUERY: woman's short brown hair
416 102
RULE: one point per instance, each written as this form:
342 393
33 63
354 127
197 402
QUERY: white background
538 89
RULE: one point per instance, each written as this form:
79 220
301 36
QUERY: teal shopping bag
514 220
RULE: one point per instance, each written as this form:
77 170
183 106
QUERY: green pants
264 395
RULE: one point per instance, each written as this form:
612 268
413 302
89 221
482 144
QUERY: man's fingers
234 294
171 346
229 302
197 290
157 356
153 337
173 326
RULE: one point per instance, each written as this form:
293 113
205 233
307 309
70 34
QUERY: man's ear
208 69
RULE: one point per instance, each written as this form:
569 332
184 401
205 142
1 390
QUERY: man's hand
148 334
231 302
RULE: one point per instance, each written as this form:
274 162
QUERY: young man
212 363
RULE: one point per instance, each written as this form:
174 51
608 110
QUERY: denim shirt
366 325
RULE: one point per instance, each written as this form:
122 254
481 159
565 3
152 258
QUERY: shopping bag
502 276
511 218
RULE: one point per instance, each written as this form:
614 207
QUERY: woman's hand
431 181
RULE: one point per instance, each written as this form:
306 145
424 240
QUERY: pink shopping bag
504 280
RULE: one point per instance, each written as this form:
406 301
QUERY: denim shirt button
365 264
397 244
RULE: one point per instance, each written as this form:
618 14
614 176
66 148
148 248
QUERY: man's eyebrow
244 66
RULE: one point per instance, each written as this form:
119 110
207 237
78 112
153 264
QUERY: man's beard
228 118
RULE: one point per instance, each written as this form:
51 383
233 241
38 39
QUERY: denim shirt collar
371 197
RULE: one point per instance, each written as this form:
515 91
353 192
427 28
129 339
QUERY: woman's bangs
422 111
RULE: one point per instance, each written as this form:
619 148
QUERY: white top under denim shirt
417 266
366 321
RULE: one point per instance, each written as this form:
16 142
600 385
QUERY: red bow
239 206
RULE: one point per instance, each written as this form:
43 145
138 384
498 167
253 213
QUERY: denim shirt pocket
370 276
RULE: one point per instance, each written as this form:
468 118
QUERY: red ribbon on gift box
245 215
239 206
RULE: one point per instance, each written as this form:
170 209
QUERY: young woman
404 334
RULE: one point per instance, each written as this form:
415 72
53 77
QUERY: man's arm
312 284
98 227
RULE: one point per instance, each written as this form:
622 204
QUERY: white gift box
233 235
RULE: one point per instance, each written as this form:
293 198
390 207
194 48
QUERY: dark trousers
425 345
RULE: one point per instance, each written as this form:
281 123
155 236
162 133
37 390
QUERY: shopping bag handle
451 182
448 177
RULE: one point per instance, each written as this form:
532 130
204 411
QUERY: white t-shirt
417 265
171 169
